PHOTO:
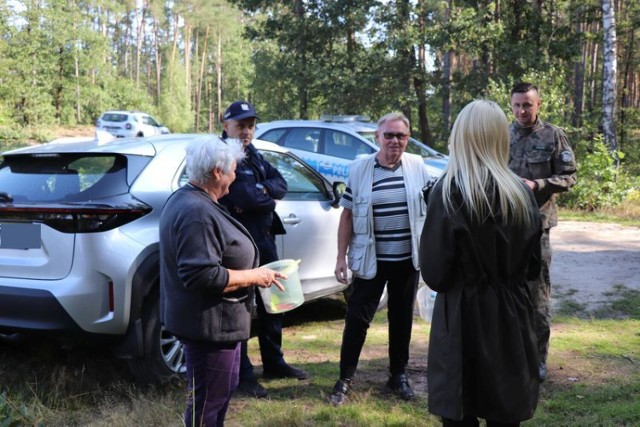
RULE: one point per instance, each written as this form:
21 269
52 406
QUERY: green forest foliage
601 184
63 63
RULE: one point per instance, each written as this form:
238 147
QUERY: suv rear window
64 178
114 117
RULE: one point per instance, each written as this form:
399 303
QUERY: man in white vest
378 240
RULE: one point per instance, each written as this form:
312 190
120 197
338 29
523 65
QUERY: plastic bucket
277 301
426 298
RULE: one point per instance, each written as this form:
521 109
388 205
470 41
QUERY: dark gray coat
483 359
199 241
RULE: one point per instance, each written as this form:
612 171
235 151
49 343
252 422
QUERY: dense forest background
64 62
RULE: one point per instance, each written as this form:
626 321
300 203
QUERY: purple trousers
212 375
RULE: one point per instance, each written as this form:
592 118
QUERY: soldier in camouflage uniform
540 153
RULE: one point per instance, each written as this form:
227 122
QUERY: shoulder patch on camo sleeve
566 156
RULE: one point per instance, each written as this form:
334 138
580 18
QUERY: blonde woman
479 244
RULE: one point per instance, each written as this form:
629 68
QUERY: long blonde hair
478 163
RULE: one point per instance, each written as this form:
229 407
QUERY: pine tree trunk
446 79
77 77
419 85
219 79
578 83
140 39
156 44
187 59
201 78
303 90
594 55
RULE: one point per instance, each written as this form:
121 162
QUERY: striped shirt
391 226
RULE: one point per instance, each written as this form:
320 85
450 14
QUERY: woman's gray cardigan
199 241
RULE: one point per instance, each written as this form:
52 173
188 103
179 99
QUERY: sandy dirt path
591 258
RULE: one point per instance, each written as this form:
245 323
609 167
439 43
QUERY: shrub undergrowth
14 414
602 184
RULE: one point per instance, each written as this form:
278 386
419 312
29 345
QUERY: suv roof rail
344 118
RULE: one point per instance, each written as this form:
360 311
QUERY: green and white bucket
277 301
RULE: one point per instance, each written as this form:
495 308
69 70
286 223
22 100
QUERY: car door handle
291 219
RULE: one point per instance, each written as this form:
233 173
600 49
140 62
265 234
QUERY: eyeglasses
391 135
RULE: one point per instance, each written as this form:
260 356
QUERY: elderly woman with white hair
480 242
208 271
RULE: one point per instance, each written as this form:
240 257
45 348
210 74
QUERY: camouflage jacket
542 153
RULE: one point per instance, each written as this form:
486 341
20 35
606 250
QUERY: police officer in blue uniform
252 201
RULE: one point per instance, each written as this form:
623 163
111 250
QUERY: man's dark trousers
269 326
401 279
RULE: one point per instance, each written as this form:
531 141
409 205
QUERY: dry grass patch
569 368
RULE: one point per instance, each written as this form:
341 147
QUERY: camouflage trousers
540 291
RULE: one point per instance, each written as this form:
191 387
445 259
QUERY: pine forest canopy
64 62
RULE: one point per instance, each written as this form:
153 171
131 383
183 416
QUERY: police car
331 143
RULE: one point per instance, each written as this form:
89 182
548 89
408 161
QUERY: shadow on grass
48 370
623 303
55 375
320 310
370 402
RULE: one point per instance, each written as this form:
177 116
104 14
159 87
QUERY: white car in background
330 144
124 124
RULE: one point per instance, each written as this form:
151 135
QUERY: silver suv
124 124
79 240
330 144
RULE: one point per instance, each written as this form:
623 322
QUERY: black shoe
400 386
286 371
340 391
542 371
252 388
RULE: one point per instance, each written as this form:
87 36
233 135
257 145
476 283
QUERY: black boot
400 386
340 391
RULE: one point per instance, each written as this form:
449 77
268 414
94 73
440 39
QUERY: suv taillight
75 220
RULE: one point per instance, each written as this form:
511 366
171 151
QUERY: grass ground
594 379
628 213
